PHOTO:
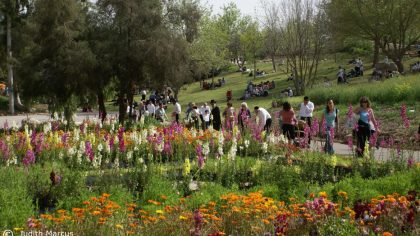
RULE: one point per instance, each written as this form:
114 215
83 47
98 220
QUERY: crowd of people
206 115
207 86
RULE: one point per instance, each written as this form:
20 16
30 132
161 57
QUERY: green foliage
15 201
391 91
357 47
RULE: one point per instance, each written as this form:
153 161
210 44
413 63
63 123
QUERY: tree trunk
101 105
10 66
274 62
375 52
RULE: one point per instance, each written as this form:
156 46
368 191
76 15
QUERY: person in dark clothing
364 129
215 114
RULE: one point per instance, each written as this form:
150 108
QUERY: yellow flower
181 217
342 194
119 226
159 211
323 194
187 167
18 229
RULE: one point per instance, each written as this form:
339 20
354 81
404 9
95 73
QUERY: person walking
364 129
215 115
151 109
264 118
143 94
177 110
330 115
305 113
288 120
244 115
229 115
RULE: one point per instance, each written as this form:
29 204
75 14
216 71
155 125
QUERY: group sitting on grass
415 67
258 90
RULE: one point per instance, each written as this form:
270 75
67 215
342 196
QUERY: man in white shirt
306 112
264 118
203 110
177 111
151 109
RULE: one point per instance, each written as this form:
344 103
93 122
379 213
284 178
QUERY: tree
11 11
271 27
402 29
59 60
251 41
392 25
133 23
233 24
303 38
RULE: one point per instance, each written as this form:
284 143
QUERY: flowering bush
251 214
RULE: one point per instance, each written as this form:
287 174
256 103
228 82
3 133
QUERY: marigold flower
386 234
159 211
119 226
323 194
95 213
181 217
342 194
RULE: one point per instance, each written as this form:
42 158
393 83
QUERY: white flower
14 126
61 155
220 151
100 147
129 155
82 146
206 149
246 142
264 147
117 162
70 151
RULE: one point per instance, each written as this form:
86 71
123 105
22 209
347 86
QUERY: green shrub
391 91
15 202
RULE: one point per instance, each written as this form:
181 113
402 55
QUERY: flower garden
149 179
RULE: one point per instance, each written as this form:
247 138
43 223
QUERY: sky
247 7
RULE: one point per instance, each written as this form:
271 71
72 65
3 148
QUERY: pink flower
350 142
29 158
404 117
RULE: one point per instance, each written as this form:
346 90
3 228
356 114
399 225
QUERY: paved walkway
381 154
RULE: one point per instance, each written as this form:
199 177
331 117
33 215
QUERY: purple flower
404 117
198 222
29 158
89 150
410 162
199 152
4 149
350 142
315 127
121 139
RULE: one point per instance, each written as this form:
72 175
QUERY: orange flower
86 203
311 195
163 197
106 195
95 213
386 234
